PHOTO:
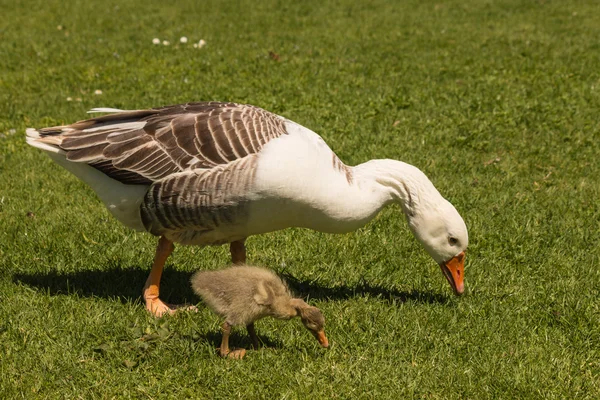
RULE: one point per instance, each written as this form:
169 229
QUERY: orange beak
320 335
454 270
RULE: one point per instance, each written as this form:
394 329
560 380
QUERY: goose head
443 234
432 219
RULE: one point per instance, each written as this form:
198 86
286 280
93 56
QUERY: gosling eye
310 325
452 240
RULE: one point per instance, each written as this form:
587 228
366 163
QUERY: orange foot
236 354
159 308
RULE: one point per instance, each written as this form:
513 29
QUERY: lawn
497 102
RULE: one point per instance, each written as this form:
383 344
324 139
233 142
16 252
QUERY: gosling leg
253 336
224 350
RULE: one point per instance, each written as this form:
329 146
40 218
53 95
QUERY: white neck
401 182
344 207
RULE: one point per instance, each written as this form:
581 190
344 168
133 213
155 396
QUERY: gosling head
313 320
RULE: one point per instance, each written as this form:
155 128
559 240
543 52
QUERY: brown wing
193 202
144 146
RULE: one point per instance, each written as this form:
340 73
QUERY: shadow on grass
240 339
315 291
126 285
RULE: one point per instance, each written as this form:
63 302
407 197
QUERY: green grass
498 102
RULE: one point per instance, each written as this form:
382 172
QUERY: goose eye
452 240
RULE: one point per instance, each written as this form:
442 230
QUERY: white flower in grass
97 92
69 99
201 43
156 41
166 43
183 39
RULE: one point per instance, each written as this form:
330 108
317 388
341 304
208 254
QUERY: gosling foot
236 354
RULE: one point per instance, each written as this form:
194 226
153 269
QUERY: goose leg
224 350
238 252
151 289
253 336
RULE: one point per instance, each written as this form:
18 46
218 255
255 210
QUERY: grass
497 102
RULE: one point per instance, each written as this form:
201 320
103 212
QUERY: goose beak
454 270
320 335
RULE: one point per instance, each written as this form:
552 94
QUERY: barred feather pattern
187 206
145 146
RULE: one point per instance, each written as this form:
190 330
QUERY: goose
212 173
244 294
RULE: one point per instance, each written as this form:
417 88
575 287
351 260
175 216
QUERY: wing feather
144 146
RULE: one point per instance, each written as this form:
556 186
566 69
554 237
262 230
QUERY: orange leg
238 252
224 350
151 289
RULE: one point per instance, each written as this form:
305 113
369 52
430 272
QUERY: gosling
244 294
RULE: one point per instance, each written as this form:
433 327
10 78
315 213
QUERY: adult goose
212 173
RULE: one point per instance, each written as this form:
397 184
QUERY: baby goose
244 294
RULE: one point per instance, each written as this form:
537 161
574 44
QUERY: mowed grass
497 102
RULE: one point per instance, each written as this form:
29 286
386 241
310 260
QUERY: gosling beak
320 335
454 270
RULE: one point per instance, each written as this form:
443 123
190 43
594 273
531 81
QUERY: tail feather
32 133
39 139
106 110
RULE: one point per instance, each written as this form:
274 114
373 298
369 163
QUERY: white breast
300 186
